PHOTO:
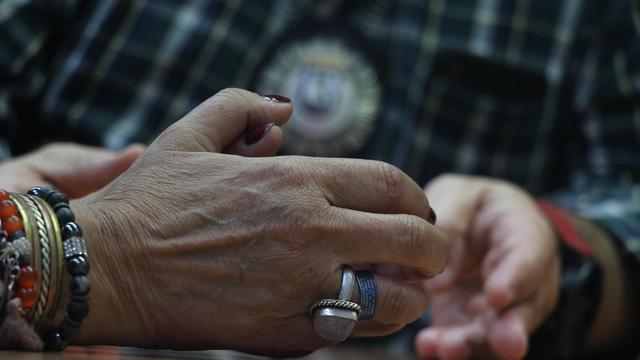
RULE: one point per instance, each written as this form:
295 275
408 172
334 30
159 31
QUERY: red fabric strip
568 233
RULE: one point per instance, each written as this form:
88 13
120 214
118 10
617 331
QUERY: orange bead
28 277
4 195
7 209
28 297
12 225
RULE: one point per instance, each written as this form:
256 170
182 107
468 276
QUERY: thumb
261 141
93 170
456 199
216 123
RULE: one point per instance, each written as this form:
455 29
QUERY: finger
224 117
399 239
519 273
507 335
456 199
397 303
398 273
371 186
87 169
530 313
23 184
372 329
262 141
449 342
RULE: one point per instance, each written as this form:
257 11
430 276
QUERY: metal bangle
45 249
47 320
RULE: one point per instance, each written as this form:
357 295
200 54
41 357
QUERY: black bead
17 235
56 207
79 285
77 310
82 298
64 214
56 197
69 328
54 341
70 230
39 191
78 265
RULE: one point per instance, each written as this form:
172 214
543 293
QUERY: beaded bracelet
77 265
17 251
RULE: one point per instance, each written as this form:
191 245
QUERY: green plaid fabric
541 93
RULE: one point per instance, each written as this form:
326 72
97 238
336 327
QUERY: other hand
503 276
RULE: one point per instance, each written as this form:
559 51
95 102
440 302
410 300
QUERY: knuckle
414 239
227 94
395 304
291 173
442 247
303 226
389 177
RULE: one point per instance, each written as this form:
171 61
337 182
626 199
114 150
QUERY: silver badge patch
335 93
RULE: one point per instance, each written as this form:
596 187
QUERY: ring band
368 293
348 284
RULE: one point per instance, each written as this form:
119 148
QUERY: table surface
113 353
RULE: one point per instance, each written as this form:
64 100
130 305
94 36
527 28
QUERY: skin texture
193 248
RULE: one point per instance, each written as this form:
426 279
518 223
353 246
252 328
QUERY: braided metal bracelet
77 264
45 254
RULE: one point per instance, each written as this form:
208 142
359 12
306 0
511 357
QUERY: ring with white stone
334 319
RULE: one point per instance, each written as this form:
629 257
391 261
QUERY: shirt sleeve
607 188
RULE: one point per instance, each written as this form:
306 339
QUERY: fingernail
256 134
432 216
277 98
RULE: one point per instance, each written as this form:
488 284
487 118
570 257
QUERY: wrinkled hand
191 248
503 276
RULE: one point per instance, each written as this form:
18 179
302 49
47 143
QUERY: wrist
564 332
609 325
98 326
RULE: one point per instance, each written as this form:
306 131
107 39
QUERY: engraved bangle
46 320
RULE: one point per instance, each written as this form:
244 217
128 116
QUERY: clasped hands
204 241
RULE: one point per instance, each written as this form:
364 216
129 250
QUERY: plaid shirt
541 93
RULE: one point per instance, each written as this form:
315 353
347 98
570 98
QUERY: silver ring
334 319
348 284
368 293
